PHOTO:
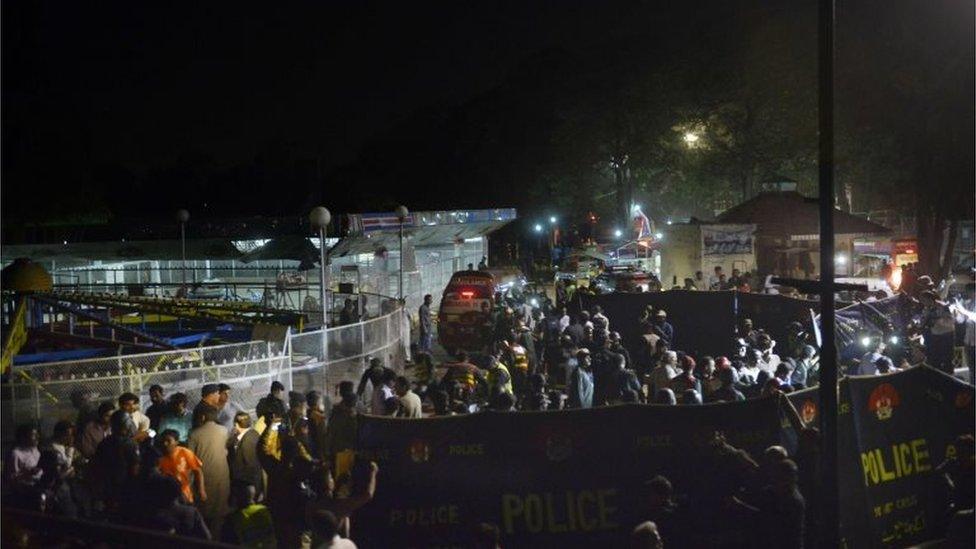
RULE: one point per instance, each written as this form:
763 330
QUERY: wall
681 256
680 253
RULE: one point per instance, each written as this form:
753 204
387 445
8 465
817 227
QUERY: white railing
43 394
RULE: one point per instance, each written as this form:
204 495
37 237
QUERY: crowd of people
287 475
284 477
536 362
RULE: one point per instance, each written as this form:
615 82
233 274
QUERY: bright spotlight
618 233
840 259
538 228
552 219
893 340
658 236
691 138
865 341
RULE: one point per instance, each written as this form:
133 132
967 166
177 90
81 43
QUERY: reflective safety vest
520 358
254 527
463 376
499 376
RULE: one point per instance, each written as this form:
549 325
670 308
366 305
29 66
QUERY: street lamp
552 219
182 216
618 233
691 138
538 227
319 218
401 212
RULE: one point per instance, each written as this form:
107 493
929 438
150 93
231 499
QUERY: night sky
102 98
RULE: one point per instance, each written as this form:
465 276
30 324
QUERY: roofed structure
789 213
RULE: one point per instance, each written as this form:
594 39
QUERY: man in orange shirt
178 462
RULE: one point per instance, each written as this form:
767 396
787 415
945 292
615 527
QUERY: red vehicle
464 319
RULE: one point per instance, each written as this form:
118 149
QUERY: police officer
499 378
250 525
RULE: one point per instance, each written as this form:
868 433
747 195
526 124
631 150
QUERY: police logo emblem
419 451
883 400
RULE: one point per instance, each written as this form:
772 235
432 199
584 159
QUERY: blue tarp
57 356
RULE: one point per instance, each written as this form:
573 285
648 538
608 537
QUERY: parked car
626 279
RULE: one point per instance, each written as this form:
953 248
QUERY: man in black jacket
242 454
273 402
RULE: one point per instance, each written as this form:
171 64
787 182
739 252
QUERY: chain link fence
319 362
44 394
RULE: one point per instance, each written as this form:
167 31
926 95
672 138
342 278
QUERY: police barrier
550 479
575 478
704 322
894 431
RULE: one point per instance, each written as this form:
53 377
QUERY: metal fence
44 394
319 362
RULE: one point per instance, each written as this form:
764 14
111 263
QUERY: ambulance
464 318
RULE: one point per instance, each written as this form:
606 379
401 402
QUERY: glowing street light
658 236
618 233
552 219
691 138
319 218
538 228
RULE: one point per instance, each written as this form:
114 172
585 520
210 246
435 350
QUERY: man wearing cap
662 328
581 382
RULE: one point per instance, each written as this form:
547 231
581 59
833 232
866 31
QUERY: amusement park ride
42 323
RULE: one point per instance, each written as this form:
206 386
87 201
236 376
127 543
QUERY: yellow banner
16 337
